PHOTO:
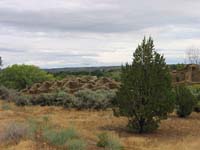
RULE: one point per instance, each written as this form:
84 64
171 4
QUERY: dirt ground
173 134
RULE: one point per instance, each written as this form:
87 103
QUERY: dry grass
174 133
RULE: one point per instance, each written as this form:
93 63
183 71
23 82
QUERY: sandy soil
173 134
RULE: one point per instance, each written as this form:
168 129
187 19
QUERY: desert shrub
21 76
65 99
14 132
76 144
195 89
45 99
145 95
22 99
54 99
59 138
5 107
4 93
33 127
88 99
109 142
83 99
185 101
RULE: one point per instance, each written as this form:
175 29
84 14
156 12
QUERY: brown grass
173 134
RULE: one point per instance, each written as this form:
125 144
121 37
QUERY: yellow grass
173 134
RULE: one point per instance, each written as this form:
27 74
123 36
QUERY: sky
81 33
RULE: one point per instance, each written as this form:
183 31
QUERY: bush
76 144
83 99
195 89
4 93
33 127
22 100
185 101
59 138
54 99
109 142
21 76
5 107
65 99
45 99
14 132
88 99
145 95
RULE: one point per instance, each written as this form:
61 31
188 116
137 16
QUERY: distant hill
79 69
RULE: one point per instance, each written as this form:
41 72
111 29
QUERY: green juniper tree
185 101
145 95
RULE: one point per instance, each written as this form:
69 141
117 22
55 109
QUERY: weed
109 142
76 144
5 107
59 138
33 127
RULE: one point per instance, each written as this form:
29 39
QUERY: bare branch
193 56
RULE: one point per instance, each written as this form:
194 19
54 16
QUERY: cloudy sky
71 33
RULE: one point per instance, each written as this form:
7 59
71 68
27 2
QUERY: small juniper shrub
195 89
185 101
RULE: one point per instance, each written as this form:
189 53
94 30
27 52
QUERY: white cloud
52 33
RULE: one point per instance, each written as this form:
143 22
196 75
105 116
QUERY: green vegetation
59 138
145 95
33 127
195 89
109 142
21 76
76 144
6 107
83 99
5 93
185 101
88 99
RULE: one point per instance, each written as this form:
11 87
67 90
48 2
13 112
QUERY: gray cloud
10 50
53 33
124 17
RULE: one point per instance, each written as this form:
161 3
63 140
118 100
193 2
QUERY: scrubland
174 133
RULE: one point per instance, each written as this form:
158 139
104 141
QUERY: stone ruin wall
190 74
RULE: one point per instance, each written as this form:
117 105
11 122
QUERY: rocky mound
72 84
